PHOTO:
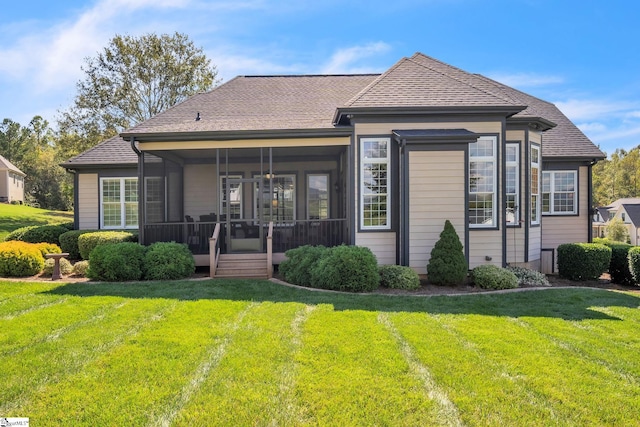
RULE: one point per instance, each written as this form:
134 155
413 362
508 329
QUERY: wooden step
242 266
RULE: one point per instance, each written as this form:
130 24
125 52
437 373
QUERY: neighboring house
378 160
11 182
627 210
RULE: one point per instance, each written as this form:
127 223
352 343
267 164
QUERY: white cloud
590 109
342 61
595 127
526 79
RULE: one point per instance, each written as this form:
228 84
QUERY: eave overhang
238 134
535 123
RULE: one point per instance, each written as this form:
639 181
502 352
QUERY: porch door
243 233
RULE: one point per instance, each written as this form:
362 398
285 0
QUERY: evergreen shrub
80 268
583 261
168 261
528 277
346 268
18 233
619 265
492 277
69 242
300 263
20 259
447 265
88 241
634 263
65 267
398 277
116 262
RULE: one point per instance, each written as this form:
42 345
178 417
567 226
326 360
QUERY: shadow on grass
569 304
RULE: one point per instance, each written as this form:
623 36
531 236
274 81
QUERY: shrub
493 277
65 267
18 233
68 225
88 241
300 263
619 265
447 265
20 259
48 248
168 261
116 262
69 242
583 261
347 268
80 268
398 277
617 230
43 233
527 277
634 263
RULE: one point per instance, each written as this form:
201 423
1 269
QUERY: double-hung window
559 192
534 179
375 211
119 202
482 183
231 200
512 184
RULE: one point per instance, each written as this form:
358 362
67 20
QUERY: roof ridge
375 82
495 82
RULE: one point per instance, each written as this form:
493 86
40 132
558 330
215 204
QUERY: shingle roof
7 165
624 201
113 151
634 213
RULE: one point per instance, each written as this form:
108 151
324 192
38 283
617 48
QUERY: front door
244 231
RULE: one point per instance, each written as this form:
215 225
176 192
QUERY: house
11 182
378 160
627 210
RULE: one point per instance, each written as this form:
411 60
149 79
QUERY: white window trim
538 207
123 211
309 176
492 159
223 211
516 164
382 160
552 191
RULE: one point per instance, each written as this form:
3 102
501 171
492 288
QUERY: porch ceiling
254 153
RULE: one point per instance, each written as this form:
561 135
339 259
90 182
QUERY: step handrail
270 251
214 250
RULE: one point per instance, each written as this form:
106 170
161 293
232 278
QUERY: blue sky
581 55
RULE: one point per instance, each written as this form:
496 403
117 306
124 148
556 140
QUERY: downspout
76 210
140 188
403 229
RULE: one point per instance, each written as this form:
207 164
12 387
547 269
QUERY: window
512 184
154 194
374 184
559 192
234 194
318 196
119 202
279 206
534 179
482 182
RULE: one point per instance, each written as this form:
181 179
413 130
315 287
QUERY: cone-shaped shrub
448 265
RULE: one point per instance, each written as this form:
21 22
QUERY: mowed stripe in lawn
558 376
138 380
251 384
351 371
46 363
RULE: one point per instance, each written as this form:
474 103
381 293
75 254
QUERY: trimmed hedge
20 259
69 242
492 277
300 263
398 277
634 263
89 241
447 265
168 261
583 261
48 248
116 262
347 268
619 265
43 233
80 268
18 233
65 267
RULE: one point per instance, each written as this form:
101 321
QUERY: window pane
232 192
563 202
481 209
317 196
481 177
112 214
111 190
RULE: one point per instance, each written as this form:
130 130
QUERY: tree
447 265
134 79
617 230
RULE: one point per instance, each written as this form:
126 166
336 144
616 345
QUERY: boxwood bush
80 268
398 277
492 277
583 261
634 263
69 242
116 262
20 259
48 248
43 233
619 265
168 261
18 233
300 263
65 267
346 268
88 241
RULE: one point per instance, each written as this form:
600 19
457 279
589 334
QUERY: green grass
256 353
16 216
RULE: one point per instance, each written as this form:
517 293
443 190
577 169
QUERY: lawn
256 353
16 216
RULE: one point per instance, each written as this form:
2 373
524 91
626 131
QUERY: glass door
242 234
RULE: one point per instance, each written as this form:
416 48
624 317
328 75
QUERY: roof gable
7 165
113 151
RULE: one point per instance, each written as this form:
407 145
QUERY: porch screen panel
280 205
234 196
318 196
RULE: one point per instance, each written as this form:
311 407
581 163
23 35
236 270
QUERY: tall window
512 184
559 192
318 196
231 197
374 184
482 182
119 202
535 184
280 205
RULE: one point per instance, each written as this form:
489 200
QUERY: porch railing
292 234
195 234
214 251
